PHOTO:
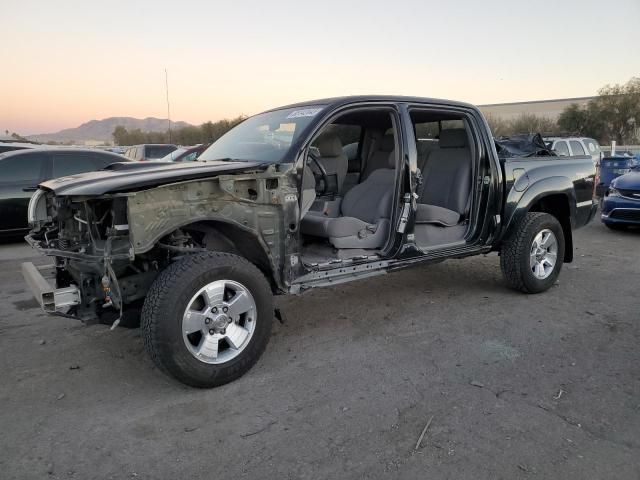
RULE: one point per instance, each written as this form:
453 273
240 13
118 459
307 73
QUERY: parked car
149 151
621 203
613 167
572 146
22 170
185 154
11 146
205 245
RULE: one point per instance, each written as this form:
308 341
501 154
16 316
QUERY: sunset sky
67 62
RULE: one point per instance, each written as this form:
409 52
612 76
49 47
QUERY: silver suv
149 151
573 146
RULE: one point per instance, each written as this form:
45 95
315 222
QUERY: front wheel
532 256
207 318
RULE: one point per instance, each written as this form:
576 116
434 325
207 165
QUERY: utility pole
166 84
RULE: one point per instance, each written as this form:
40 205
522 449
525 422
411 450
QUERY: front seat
333 159
446 188
379 156
365 210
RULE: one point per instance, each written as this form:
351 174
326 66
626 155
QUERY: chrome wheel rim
544 254
219 321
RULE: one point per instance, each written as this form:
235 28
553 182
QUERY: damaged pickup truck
303 196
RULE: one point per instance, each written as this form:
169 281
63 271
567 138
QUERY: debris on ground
424 431
476 383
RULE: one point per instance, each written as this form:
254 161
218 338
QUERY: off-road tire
515 253
164 306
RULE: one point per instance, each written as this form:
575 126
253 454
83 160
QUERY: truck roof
346 100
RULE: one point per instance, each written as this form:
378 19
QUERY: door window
562 149
576 147
22 168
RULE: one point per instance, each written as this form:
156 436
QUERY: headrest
387 143
329 145
453 138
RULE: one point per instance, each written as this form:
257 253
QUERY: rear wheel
207 318
532 257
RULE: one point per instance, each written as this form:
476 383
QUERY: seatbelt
375 137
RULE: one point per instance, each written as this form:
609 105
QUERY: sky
66 62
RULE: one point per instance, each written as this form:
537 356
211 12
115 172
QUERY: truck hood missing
125 177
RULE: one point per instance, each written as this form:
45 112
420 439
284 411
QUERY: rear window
9 148
158 151
576 147
592 146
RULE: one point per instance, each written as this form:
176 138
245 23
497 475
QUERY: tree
530 123
206 133
525 123
618 107
498 125
613 115
119 135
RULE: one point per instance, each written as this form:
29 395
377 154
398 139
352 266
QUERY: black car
22 170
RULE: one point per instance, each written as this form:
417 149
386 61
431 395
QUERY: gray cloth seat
365 213
333 159
445 193
379 157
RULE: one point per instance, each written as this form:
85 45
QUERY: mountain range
102 130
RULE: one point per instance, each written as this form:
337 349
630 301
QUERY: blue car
613 167
621 205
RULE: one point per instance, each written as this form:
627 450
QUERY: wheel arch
557 204
553 195
230 237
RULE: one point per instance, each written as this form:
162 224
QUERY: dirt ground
516 386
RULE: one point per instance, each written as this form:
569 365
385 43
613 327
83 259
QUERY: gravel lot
541 386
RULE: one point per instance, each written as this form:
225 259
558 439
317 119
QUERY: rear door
19 178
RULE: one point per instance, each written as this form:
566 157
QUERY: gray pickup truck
302 196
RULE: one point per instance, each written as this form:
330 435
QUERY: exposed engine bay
107 263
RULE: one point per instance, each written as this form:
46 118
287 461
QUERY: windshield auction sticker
307 112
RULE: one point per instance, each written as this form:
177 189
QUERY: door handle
30 189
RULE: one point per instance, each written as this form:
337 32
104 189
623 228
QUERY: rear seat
424 148
444 199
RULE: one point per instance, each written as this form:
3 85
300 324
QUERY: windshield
170 157
266 137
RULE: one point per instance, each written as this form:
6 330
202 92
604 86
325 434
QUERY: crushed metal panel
242 200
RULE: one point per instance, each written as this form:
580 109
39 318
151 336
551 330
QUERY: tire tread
513 248
160 292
